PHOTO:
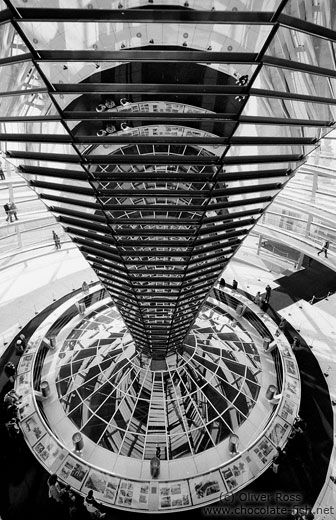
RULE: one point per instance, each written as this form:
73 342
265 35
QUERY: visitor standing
73 503
278 459
222 283
268 293
19 347
10 371
56 240
13 210
258 299
2 175
22 337
7 211
109 103
281 326
12 397
54 489
92 506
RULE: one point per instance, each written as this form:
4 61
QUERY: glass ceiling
159 134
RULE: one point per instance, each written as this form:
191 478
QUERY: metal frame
159 215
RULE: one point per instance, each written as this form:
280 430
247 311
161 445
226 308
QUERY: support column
298 265
259 244
18 235
315 186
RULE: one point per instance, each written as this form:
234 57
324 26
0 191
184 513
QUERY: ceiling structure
159 132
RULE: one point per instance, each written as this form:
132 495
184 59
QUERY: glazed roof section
158 133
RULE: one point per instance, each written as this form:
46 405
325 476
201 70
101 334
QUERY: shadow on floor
314 280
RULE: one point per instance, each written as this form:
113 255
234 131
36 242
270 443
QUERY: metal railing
40 235
316 299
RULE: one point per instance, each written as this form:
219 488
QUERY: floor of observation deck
308 467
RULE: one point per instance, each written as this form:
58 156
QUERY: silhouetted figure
241 80
258 299
109 103
12 397
54 489
101 108
234 285
92 506
10 370
56 240
281 326
309 516
7 211
324 248
19 347
296 344
222 283
12 426
278 459
268 291
299 424
110 129
13 210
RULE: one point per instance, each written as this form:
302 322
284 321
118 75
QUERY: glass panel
111 438
133 445
34 127
106 36
162 150
41 234
288 80
287 222
36 104
302 47
61 182
143 103
272 130
249 182
105 128
142 72
321 13
259 167
46 163
241 197
244 5
243 151
11 43
19 76
286 108
178 445
40 147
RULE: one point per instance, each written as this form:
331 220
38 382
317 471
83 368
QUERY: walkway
29 287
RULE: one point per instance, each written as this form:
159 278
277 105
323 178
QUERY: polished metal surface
158 135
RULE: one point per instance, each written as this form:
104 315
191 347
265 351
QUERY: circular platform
215 411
